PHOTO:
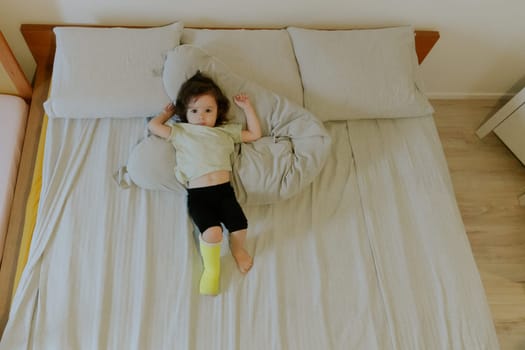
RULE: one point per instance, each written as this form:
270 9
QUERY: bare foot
243 259
241 256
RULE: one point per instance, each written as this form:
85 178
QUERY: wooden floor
487 179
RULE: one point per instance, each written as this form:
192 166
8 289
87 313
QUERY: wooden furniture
508 123
41 41
15 93
17 81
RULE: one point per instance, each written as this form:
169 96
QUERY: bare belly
210 179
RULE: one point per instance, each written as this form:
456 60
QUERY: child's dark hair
200 84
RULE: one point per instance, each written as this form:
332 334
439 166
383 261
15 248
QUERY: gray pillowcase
151 165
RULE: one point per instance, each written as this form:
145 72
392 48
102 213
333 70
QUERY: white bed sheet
13 112
372 255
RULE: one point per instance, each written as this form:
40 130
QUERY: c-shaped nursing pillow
287 158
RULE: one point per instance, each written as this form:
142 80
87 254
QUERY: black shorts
213 205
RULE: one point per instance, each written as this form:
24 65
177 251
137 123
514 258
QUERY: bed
14 113
15 93
370 253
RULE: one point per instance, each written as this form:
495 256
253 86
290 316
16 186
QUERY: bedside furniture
509 125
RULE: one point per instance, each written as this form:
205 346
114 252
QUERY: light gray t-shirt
200 150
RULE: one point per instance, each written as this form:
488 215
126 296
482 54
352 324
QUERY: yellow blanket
31 206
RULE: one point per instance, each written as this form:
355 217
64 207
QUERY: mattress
360 259
14 114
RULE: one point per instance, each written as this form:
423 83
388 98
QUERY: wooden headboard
41 41
11 74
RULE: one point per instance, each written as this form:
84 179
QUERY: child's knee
212 234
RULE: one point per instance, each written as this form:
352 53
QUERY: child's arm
254 127
156 125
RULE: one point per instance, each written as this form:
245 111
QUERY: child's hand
169 109
253 131
157 126
242 100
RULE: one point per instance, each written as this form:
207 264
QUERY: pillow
264 56
359 74
110 72
273 168
151 165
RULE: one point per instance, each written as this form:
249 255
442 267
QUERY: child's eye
208 111
193 111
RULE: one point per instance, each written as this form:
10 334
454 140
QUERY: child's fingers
241 97
169 108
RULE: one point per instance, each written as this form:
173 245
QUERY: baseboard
467 96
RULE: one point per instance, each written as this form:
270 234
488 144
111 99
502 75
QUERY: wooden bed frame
14 71
41 41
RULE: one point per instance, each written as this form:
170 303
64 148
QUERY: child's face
202 110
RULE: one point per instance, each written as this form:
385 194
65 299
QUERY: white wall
481 52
